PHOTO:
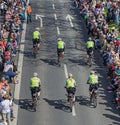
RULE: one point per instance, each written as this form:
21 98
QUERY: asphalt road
53 107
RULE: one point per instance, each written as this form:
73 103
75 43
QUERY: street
60 19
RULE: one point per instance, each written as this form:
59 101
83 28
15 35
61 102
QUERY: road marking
73 111
55 16
18 86
66 72
69 17
58 30
54 6
40 19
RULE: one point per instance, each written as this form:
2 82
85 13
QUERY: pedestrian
6 109
29 13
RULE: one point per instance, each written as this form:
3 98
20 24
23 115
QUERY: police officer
70 84
93 81
60 48
89 46
35 84
36 36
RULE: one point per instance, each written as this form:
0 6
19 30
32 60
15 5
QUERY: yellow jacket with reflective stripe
70 82
34 82
89 44
60 45
93 79
36 35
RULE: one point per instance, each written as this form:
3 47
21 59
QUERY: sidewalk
13 30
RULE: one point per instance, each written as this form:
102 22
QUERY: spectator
29 13
6 107
8 71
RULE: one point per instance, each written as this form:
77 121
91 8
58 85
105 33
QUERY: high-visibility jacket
60 45
36 35
35 82
70 82
89 44
93 79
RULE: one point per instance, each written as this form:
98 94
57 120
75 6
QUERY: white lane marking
73 111
18 86
55 16
66 72
54 6
58 30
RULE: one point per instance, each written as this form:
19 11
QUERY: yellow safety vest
36 35
93 79
90 44
70 83
60 45
34 82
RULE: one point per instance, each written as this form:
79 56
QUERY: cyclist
70 84
89 46
92 81
60 48
36 36
35 84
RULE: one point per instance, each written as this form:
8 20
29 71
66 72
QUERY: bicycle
93 97
35 50
36 44
60 56
90 59
34 99
71 100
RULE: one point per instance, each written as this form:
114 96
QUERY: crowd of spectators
13 14
98 15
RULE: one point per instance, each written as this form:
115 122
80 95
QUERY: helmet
92 72
35 74
37 28
70 75
89 38
59 39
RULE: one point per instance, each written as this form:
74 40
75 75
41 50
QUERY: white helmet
35 74
70 75
37 28
89 38
59 39
92 72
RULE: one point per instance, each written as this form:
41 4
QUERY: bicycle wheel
90 61
94 100
35 106
59 61
35 52
71 106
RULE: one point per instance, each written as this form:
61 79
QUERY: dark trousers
29 17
